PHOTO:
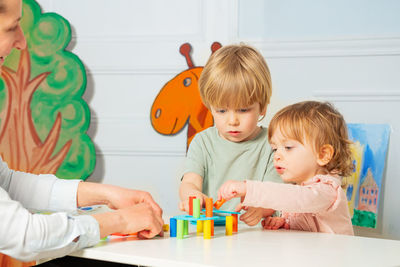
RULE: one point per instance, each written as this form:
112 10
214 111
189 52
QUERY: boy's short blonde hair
318 124
235 76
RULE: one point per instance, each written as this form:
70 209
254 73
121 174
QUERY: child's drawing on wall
364 186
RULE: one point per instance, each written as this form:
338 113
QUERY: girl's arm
312 198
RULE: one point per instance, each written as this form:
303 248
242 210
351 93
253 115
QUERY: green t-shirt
218 160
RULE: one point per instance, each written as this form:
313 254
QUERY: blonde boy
235 85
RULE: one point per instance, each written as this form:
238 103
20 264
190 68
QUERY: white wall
347 52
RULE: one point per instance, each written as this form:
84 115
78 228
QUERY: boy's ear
264 111
325 154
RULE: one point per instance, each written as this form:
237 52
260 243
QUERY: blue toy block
172 227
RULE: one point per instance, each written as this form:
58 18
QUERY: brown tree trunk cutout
20 145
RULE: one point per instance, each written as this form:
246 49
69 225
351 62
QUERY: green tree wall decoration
43 118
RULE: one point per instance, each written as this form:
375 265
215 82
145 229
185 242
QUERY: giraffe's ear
185 50
215 46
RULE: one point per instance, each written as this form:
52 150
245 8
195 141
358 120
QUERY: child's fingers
203 200
238 207
184 206
219 195
252 221
223 193
276 224
227 191
286 226
267 223
181 206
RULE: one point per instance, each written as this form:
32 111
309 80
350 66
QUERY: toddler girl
311 154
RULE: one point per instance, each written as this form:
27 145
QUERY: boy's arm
191 185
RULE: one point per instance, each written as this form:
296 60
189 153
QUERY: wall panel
130 50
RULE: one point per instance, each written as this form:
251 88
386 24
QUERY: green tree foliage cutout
43 118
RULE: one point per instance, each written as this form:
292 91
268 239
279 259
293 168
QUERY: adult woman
29 236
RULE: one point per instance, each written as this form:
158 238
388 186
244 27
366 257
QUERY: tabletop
251 246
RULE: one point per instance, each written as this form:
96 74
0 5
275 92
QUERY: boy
236 86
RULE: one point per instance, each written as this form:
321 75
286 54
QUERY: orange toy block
119 234
219 203
209 207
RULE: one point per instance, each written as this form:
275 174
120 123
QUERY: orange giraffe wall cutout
179 102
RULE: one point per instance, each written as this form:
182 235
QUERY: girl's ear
325 154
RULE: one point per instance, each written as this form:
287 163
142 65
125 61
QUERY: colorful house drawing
353 181
363 186
369 190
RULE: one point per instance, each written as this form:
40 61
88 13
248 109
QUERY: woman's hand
114 197
139 218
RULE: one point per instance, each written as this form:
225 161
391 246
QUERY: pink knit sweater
318 205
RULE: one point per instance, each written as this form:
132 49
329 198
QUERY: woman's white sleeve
27 236
39 192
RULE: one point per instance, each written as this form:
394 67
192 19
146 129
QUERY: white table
249 247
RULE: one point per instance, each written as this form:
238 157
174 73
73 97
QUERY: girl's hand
274 223
252 216
231 189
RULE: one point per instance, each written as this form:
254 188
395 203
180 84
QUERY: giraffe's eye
187 82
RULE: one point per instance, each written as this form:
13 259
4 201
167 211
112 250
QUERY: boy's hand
184 204
191 185
231 189
274 223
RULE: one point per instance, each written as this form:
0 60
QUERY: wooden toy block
196 208
209 207
199 225
172 230
228 225
165 227
235 223
119 234
185 228
219 203
179 230
204 222
207 229
191 204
